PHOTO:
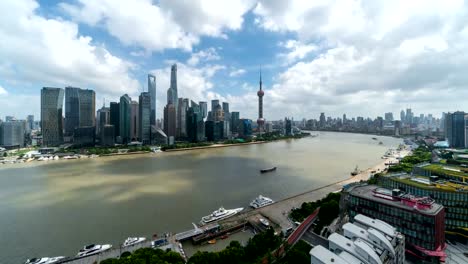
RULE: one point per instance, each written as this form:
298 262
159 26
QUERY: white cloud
237 72
374 56
51 52
3 91
209 54
296 50
171 24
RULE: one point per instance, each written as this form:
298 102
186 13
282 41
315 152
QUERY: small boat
43 260
133 241
374 138
380 143
264 222
92 249
224 236
355 172
213 241
268 170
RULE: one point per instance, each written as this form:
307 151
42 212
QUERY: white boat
70 157
219 214
261 201
264 222
133 241
43 260
56 157
92 249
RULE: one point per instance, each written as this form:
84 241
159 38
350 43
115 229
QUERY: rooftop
320 254
424 182
423 205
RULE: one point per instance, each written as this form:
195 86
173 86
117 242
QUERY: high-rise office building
388 117
152 93
9 118
134 121
455 129
203 109
182 117
145 100
214 104
72 109
84 136
115 117
125 118
288 127
87 108
225 107
322 120
195 125
170 121
103 118
12 134
218 113
402 116
245 128
51 116
30 120
235 121
409 116
260 94
108 135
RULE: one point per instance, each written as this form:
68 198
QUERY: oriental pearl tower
260 120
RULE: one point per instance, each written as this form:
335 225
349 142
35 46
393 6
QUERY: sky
362 58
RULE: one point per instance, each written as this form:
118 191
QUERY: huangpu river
54 208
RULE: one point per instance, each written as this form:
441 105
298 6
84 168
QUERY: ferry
43 260
268 170
219 214
261 201
133 241
92 249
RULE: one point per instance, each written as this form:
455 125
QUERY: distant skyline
341 57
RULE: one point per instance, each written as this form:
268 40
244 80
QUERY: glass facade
51 116
145 118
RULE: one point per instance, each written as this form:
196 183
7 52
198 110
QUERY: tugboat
268 170
355 172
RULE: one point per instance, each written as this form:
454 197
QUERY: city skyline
365 62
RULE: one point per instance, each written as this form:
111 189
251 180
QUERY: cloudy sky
355 57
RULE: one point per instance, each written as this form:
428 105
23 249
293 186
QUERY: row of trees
329 210
419 155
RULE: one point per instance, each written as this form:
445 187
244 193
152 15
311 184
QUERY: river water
56 207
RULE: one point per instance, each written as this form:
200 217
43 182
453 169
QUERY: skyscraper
235 121
260 93
87 99
170 121
103 118
115 117
134 121
80 109
195 124
172 98
51 116
203 109
214 104
388 117
12 134
182 117
402 116
30 120
152 93
72 109
125 118
322 120
145 112
455 129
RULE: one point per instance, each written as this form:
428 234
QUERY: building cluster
408 124
366 240
419 218
69 116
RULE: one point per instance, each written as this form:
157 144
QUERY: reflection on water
54 208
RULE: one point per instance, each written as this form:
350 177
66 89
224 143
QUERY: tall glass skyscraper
115 117
87 100
51 116
203 109
152 93
125 118
145 100
72 110
172 104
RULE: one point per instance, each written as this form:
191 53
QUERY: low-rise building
366 240
420 219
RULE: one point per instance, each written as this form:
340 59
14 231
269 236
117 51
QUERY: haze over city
358 58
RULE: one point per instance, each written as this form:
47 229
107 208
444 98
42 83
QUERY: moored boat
261 201
43 260
92 249
355 172
219 214
213 241
133 241
268 170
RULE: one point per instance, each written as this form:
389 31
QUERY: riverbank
218 146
